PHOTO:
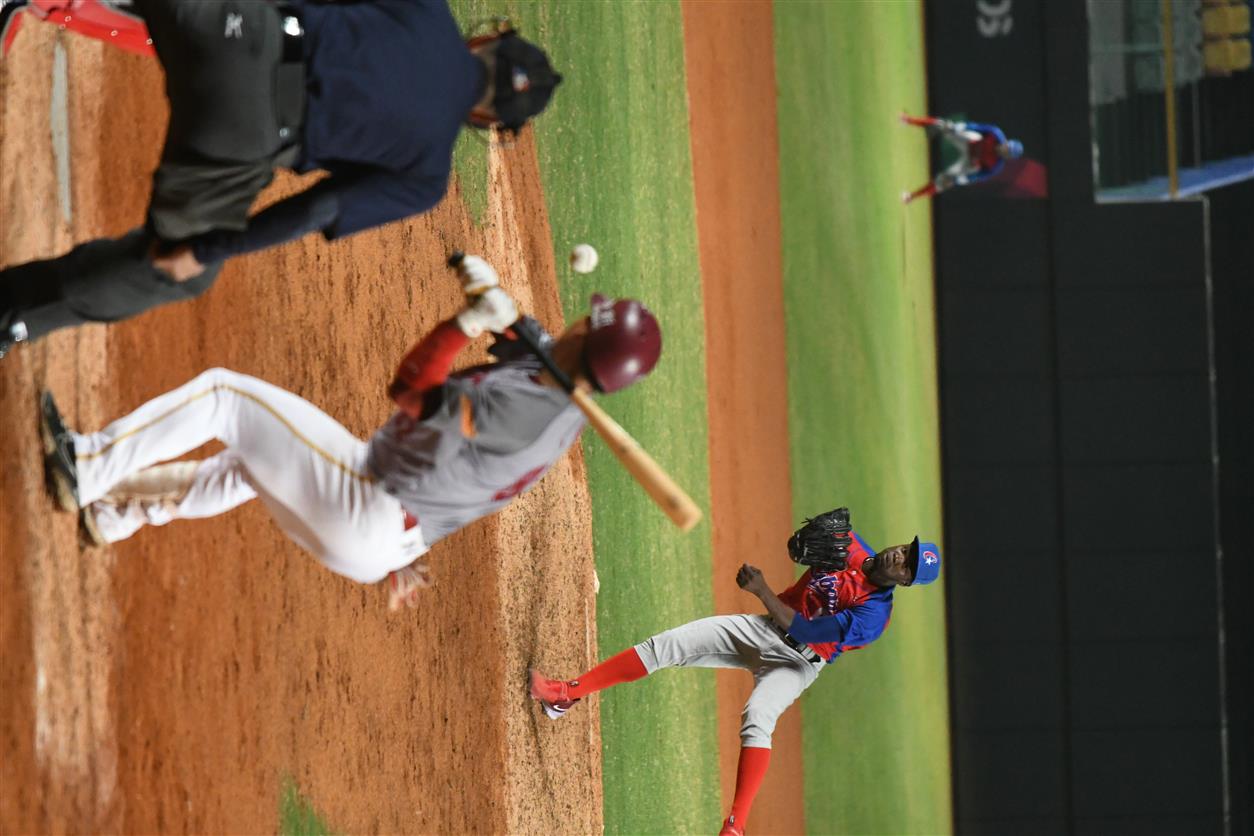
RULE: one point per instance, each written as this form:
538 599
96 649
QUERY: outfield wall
1086 426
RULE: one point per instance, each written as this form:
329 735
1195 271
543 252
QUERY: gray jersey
447 478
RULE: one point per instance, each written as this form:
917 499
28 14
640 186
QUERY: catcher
459 446
842 602
255 86
982 152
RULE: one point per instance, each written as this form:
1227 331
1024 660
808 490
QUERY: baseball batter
982 152
459 447
842 602
373 92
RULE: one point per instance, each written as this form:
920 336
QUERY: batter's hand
476 275
179 263
405 584
492 310
750 579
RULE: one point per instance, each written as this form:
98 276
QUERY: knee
647 650
756 727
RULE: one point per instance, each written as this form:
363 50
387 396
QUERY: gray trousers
234 111
748 642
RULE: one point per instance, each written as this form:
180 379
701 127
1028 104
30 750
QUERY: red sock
749 775
623 667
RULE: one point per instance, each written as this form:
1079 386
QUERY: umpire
373 92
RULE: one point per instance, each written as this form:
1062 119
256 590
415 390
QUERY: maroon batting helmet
623 343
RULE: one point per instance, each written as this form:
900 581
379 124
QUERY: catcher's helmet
1014 149
524 79
623 343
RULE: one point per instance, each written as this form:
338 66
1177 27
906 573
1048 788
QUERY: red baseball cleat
730 828
553 694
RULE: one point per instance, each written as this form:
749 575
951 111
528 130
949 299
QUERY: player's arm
426 367
750 579
351 200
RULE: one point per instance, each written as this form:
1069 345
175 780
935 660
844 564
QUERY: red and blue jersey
983 154
839 611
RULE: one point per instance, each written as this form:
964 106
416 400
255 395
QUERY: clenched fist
750 579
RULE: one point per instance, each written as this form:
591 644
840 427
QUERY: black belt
803 649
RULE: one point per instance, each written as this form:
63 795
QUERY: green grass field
862 377
616 169
617 172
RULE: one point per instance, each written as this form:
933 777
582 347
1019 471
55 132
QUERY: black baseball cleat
60 463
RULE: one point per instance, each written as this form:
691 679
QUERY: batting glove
492 310
476 275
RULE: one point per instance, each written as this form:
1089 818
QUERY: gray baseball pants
749 642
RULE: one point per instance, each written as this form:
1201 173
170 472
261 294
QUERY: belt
804 650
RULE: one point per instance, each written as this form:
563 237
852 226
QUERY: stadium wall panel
1095 367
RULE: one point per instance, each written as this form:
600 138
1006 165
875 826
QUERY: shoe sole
60 483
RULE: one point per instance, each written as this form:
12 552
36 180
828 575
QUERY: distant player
982 151
459 447
842 602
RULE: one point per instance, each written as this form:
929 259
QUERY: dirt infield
172 682
730 64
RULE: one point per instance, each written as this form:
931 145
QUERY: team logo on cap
602 314
929 557
521 80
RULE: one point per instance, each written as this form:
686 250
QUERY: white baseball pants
780 673
308 470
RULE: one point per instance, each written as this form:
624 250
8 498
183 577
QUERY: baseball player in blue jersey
459 446
842 602
982 152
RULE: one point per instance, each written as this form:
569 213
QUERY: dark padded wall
1082 495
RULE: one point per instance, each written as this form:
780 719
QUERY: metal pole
1169 93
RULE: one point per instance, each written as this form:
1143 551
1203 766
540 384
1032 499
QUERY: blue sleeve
858 626
370 197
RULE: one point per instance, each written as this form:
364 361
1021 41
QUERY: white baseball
583 258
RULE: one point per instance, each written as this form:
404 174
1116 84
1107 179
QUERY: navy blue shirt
390 83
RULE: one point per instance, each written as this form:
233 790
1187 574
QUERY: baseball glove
823 542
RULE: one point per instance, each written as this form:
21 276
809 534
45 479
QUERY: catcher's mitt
823 542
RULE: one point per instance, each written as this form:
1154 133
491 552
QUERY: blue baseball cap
925 558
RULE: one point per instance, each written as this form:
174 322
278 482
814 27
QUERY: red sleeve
426 366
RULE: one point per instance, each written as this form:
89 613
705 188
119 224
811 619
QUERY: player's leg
308 470
105 280
160 494
779 680
921 121
923 191
726 641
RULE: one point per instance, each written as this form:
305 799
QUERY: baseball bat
657 483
